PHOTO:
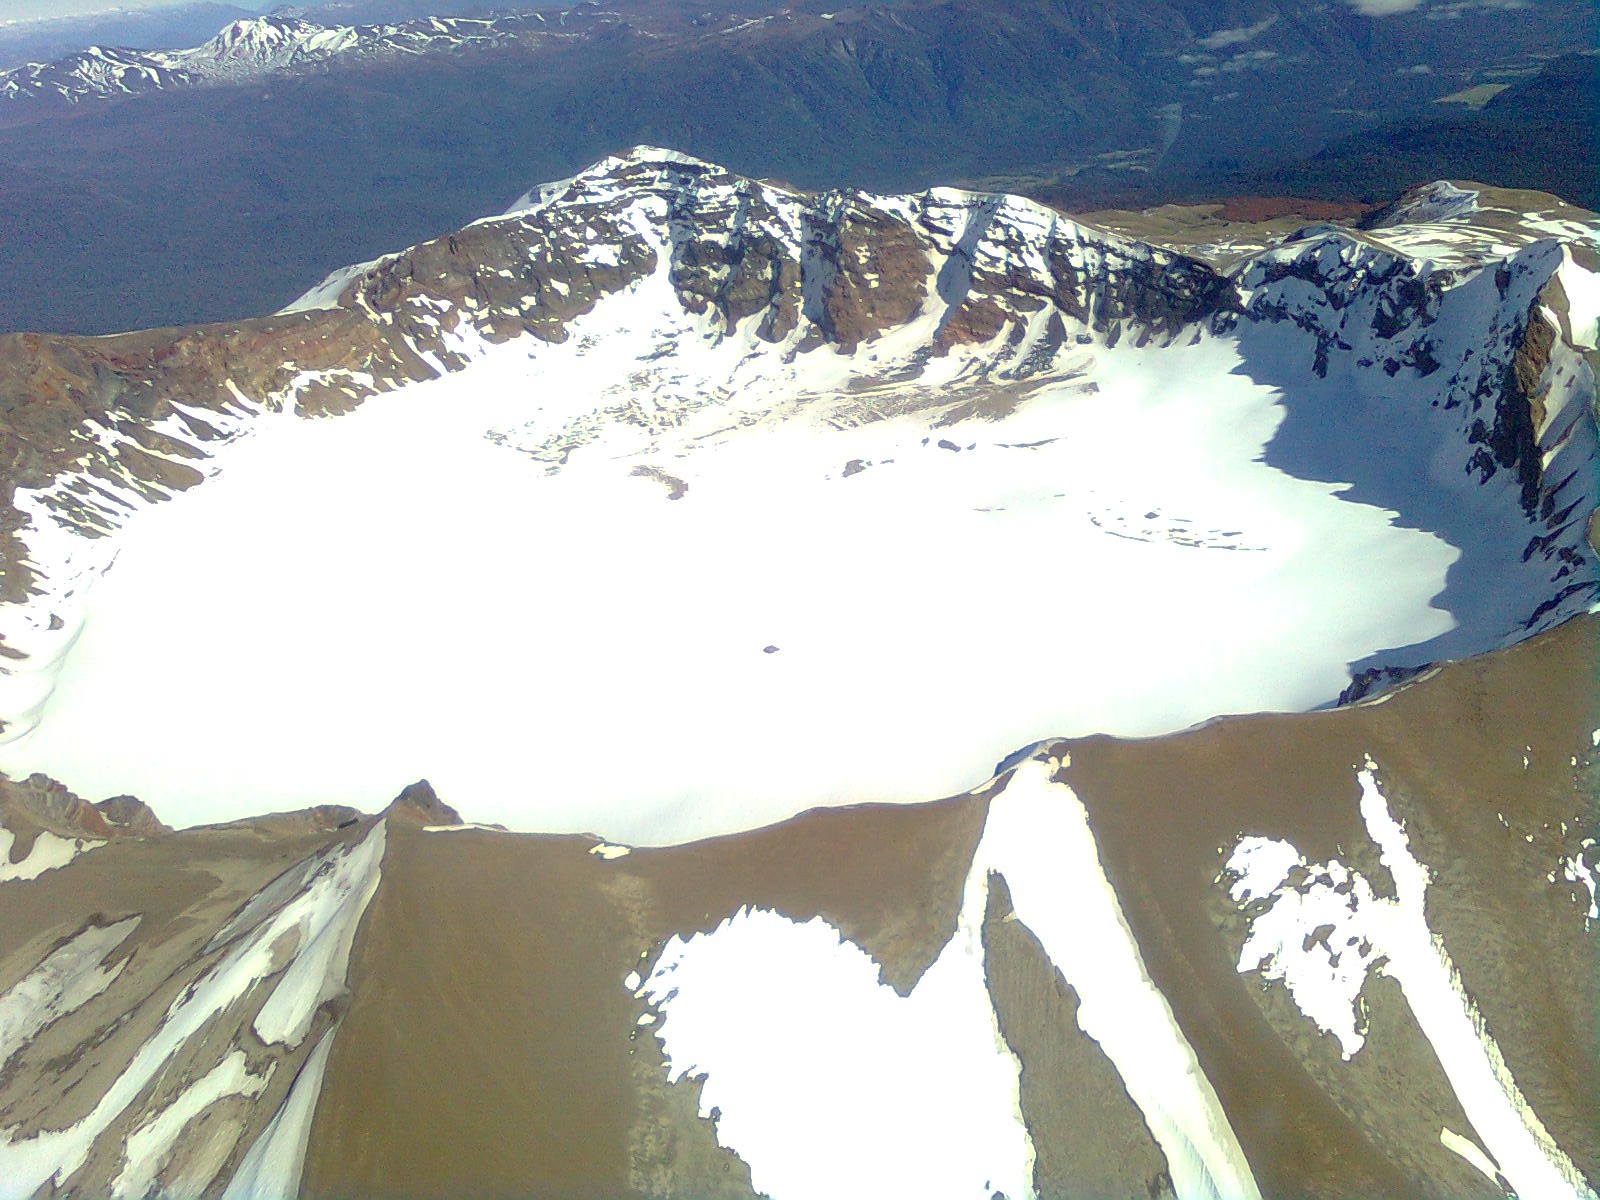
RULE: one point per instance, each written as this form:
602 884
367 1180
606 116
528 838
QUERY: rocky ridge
1475 335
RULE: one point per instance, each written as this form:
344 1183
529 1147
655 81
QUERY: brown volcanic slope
487 1045
417 1103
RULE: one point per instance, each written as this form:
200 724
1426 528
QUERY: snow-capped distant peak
1437 201
251 47
253 35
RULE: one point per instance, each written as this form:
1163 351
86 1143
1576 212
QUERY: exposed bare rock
131 815
419 805
38 803
1089 1137
871 270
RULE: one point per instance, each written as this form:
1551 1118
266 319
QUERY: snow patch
1575 869
326 294
69 977
856 1068
1324 972
1393 937
49 852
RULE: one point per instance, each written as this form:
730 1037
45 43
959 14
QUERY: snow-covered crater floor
422 588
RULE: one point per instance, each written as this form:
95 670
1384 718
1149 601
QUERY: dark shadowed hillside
215 202
1538 133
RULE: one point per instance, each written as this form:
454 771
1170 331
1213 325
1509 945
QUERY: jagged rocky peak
131 815
419 804
838 268
39 802
1393 320
259 37
47 804
44 826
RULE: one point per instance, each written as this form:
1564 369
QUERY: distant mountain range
284 145
44 40
249 48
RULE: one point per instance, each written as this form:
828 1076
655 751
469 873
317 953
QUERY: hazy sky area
33 10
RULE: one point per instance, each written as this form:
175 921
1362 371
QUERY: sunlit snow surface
423 587
800 1045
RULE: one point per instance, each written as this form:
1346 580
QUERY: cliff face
1404 320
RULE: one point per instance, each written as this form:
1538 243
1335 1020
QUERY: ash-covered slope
165 1024
710 469
1341 954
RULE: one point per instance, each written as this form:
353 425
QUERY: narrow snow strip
326 916
49 852
68 978
149 1146
1393 936
1529 1158
1583 300
267 901
1038 838
271 1168
1472 1152
826 1081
